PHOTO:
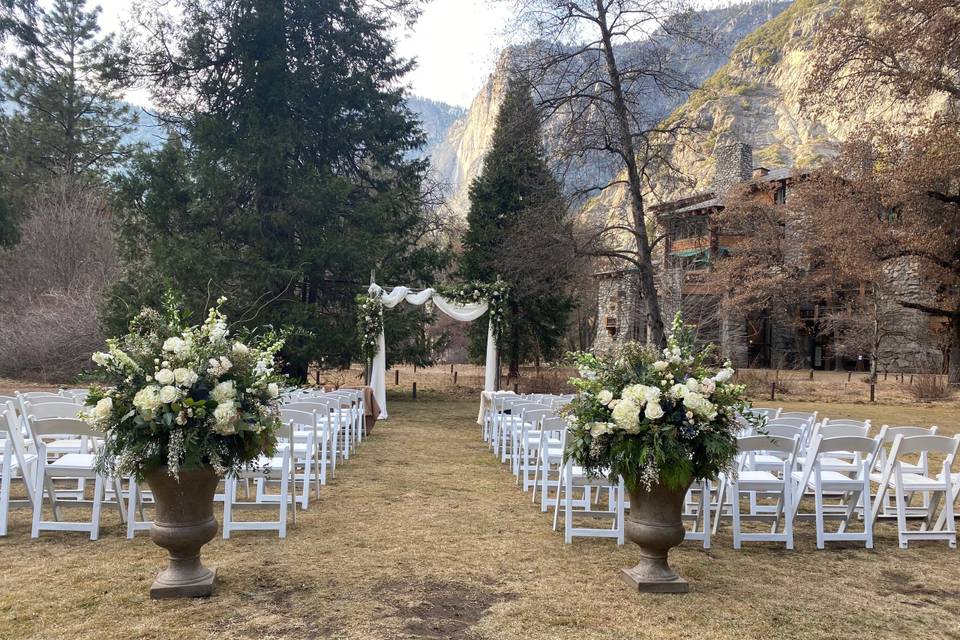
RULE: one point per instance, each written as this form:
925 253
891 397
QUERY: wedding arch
465 303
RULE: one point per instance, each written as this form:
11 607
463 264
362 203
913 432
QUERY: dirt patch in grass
437 609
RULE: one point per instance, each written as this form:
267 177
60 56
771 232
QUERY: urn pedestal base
200 587
642 583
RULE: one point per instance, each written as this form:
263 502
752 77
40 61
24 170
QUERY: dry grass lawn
423 534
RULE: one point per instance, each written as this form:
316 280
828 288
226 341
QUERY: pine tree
292 181
65 84
517 231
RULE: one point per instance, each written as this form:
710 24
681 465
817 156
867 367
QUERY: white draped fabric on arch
461 312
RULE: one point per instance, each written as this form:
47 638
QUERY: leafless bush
930 386
758 381
52 282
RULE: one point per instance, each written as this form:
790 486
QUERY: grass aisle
424 534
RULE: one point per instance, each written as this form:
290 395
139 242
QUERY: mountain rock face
436 118
459 157
755 98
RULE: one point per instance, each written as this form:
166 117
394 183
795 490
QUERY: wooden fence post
773 390
872 391
414 389
396 376
455 377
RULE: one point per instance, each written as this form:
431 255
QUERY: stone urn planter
655 524
184 522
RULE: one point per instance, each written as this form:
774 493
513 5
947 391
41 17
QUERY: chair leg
38 484
98 492
228 496
5 490
733 489
133 499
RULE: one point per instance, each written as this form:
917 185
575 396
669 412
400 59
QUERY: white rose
653 411
174 345
660 365
605 397
240 349
599 428
708 386
273 390
653 394
184 377
165 377
693 385
168 394
224 392
103 409
636 394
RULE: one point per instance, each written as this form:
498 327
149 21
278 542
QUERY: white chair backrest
839 430
754 444
51 410
14 432
298 417
765 412
553 423
55 427
805 415
784 431
927 443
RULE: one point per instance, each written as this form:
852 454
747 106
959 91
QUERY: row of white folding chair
350 413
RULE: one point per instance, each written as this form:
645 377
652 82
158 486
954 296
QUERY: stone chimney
734 161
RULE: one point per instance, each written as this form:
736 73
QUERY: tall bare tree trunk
644 259
954 371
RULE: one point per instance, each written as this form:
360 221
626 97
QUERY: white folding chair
768 481
326 422
17 462
549 459
573 478
887 436
696 510
71 465
940 488
277 468
852 485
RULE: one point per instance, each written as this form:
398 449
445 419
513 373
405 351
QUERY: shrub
930 386
52 282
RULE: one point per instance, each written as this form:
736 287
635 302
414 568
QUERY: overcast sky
455 42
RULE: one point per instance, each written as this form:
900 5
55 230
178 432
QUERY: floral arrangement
654 417
493 293
369 324
186 397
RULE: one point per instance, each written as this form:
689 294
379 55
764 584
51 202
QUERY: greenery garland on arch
370 310
494 293
369 324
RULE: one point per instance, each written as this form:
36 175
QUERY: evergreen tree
64 84
290 183
517 231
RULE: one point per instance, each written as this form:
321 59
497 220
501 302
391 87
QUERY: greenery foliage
185 397
288 178
651 418
517 233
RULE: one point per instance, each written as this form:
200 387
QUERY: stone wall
909 343
618 303
734 165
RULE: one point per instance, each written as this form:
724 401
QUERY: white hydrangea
723 375
693 384
605 396
102 359
224 392
169 394
224 417
165 377
147 399
273 390
700 406
678 391
637 393
240 349
660 366
627 415
174 345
